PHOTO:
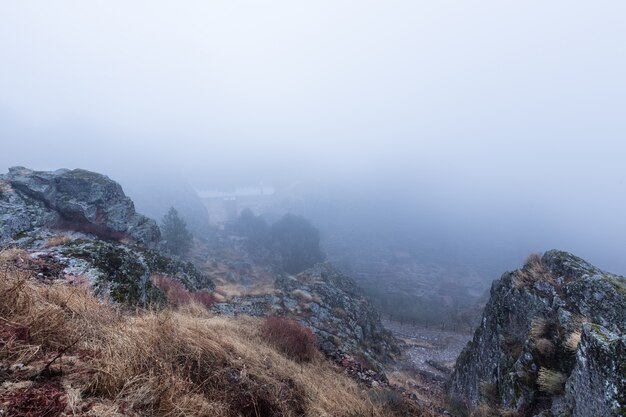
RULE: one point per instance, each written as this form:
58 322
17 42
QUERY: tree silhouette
174 230
298 243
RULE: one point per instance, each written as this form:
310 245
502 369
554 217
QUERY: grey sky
496 105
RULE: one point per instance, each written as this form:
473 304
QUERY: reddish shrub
99 230
38 400
204 297
177 295
290 337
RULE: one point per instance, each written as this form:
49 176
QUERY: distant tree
298 243
174 230
254 228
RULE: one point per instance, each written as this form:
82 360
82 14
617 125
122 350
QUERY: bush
178 296
298 243
254 228
290 337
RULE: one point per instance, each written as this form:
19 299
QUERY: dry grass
539 327
572 341
181 362
13 255
551 381
58 240
545 347
302 295
227 291
532 272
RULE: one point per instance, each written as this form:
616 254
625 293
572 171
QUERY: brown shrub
178 296
532 272
290 337
545 347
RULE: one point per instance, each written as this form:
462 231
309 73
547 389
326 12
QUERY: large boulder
550 343
74 199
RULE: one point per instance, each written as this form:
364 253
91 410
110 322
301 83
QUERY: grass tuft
551 382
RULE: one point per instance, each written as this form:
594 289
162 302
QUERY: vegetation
545 347
123 275
254 228
533 271
81 356
293 238
177 238
573 340
291 338
551 382
177 295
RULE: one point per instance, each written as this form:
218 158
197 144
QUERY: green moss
599 332
20 235
123 275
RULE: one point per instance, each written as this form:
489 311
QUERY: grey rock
329 303
76 199
597 385
503 359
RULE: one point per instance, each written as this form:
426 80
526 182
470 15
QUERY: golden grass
58 240
13 255
227 291
183 362
551 381
533 271
572 341
538 327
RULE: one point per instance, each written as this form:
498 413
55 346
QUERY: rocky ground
427 359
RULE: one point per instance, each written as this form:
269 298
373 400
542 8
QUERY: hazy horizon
483 124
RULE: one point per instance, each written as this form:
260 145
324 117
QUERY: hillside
65 352
97 319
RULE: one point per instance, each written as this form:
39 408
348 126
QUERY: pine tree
174 230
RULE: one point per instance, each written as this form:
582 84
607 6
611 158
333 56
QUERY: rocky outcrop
332 305
72 199
550 343
79 225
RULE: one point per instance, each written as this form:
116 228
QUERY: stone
550 300
73 199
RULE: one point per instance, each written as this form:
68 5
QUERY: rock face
551 343
331 304
75 199
597 385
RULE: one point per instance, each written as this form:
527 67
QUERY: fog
483 130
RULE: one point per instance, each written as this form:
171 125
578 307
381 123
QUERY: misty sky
501 109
